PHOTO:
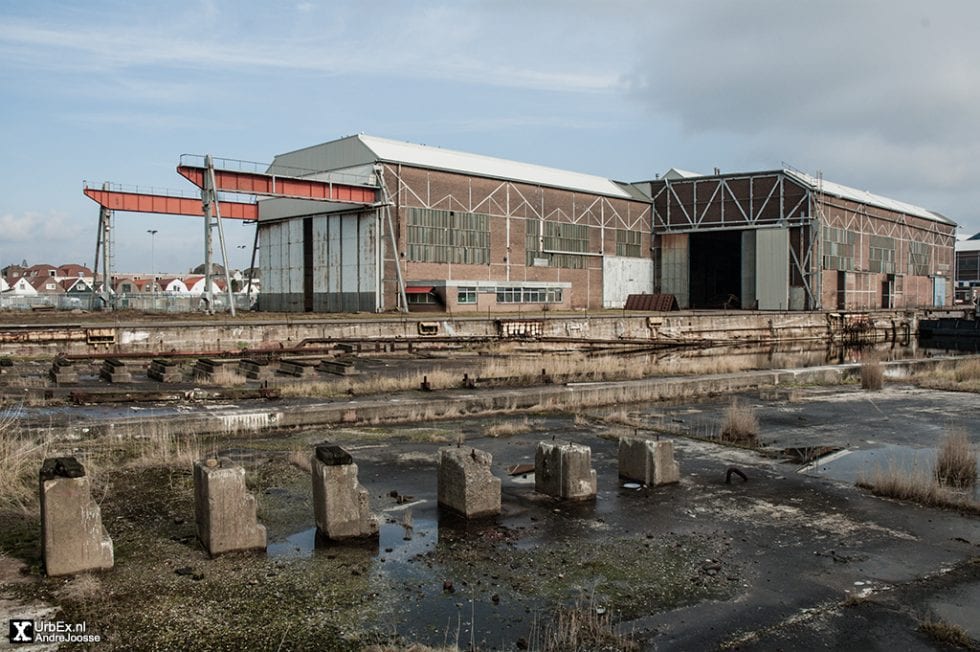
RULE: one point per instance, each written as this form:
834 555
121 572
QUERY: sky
882 95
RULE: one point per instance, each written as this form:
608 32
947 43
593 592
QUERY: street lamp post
153 274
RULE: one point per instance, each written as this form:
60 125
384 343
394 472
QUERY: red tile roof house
46 284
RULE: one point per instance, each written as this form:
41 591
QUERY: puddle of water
850 466
392 544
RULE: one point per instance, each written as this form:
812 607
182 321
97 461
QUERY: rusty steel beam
255 183
136 202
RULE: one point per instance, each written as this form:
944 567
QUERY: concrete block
466 484
340 504
564 471
73 539
224 509
648 461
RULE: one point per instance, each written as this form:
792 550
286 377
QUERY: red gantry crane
202 172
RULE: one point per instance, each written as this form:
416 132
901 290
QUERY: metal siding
294 257
349 245
748 269
321 253
675 268
772 268
623 276
334 257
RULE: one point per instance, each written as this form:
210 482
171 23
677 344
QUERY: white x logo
21 635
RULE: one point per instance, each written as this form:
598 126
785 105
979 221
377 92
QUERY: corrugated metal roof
394 151
865 197
677 173
967 245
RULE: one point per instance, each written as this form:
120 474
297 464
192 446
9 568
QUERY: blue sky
879 95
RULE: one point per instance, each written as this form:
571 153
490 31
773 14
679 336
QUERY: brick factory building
462 232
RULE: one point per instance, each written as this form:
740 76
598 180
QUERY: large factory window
448 237
628 243
838 248
881 257
560 243
919 258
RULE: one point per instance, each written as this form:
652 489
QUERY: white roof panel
967 245
865 197
395 151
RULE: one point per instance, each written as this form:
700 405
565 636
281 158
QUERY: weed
300 458
581 626
941 631
872 373
21 456
957 375
740 425
915 486
956 461
507 428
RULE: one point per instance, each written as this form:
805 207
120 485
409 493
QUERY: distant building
968 268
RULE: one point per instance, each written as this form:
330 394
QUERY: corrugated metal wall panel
748 269
772 268
622 276
675 268
294 257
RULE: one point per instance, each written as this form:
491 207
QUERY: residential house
22 288
75 285
195 284
173 285
47 285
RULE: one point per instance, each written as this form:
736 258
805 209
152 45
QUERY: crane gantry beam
137 202
257 183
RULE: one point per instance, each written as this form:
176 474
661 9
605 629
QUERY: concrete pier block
648 461
340 504
224 509
73 539
466 484
564 471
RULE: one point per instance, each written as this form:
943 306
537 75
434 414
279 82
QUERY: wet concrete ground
749 562
795 558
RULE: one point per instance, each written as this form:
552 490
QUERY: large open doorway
716 269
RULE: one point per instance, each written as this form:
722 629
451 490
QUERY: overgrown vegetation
21 455
943 632
507 428
918 486
956 461
872 373
740 424
579 628
954 375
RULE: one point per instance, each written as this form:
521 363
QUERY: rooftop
350 152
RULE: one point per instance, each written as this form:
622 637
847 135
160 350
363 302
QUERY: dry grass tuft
158 444
582 627
227 377
621 417
872 373
941 631
300 458
507 428
740 426
956 461
21 456
82 588
915 486
957 375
